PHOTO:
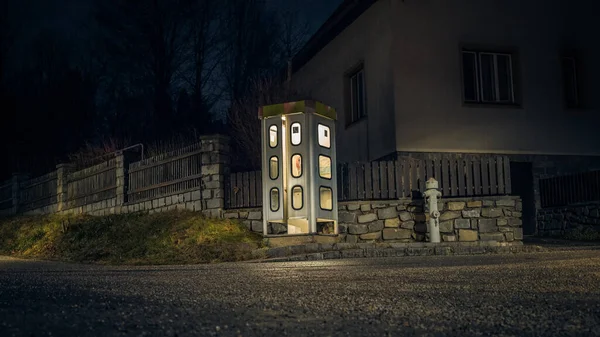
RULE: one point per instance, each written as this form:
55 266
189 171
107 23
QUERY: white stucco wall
368 40
430 115
411 51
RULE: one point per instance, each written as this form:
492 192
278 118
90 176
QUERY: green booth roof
294 107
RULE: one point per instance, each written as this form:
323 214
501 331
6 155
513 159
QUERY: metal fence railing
570 189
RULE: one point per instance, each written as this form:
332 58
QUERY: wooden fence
401 178
164 175
6 201
405 177
243 190
38 192
93 184
570 189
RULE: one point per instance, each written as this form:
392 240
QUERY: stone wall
559 221
462 219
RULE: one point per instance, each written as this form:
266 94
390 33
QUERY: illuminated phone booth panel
299 165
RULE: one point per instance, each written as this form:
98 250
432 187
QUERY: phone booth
299 168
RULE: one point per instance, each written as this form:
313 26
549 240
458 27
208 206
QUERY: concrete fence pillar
121 178
62 180
215 167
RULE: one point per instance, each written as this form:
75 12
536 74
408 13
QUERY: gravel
539 294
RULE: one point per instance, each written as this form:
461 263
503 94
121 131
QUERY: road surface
539 294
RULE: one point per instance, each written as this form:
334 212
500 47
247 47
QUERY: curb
286 254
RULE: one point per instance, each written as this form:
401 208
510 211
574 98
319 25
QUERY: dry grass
163 238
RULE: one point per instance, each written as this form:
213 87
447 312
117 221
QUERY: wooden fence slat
353 182
414 176
428 168
460 175
446 177
500 174
376 180
507 178
252 185
469 176
360 181
384 194
476 177
398 173
406 182
454 189
368 182
391 180
421 172
438 170
493 176
485 179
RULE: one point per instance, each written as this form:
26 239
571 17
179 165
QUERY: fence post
215 167
17 179
62 180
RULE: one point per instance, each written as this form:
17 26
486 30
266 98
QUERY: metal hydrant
432 194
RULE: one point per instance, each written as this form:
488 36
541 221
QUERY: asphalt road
541 294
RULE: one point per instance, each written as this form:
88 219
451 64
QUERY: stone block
358 229
376 206
387 213
155 203
346 217
474 204
467 235
365 207
462 224
351 238
514 222
440 206
456 206
519 206
408 225
506 229
414 208
401 208
213 169
509 236
492 237
371 236
207 194
392 223
343 228
244 215
148 205
215 203
257 226
446 226
471 213
487 226
353 207
212 184
248 224
488 203
517 214
505 202
449 238
254 215
161 202
518 233
449 216
342 207
365 218
168 201
491 212
232 215
376 226
502 222
396 234
405 216
277 228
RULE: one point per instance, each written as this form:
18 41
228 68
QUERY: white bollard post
432 194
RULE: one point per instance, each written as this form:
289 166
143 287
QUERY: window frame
319 136
276 136
301 199
320 198
292 134
270 161
292 166
349 111
330 165
513 58
271 199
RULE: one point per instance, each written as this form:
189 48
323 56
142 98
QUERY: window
274 168
296 134
297 197
324 167
296 166
274 199
356 98
569 66
273 136
326 198
487 77
324 136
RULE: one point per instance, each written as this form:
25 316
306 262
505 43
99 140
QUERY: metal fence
93 184
570 189
38 192
6 201
164 175
402 178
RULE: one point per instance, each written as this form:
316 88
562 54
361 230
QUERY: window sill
360 121
492 105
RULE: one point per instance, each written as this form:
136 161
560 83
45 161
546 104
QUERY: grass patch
176 237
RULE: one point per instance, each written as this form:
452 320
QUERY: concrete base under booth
274 241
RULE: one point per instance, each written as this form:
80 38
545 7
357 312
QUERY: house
419 77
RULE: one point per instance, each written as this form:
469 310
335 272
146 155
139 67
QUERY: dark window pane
470 76
570 77
361 94
505 85
488 90
354 99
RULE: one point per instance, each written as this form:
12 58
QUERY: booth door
272 173
297 173
325 182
